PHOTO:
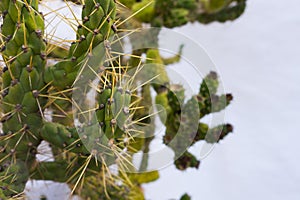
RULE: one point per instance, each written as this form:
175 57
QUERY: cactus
31 85
173 13
185 197
23 51
190 118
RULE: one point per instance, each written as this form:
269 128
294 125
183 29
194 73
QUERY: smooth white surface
258 60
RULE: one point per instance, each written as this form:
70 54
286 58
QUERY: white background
258 57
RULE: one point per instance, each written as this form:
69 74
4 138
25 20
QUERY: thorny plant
91 100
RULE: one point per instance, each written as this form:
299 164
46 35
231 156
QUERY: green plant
31 86
173 13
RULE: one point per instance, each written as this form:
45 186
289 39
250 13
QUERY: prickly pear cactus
90 134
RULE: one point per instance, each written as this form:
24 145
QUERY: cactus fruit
87 139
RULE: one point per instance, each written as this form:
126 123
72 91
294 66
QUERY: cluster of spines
96 139
182 119
113 111
97 25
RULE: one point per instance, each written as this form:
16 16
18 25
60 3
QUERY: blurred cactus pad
93 103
